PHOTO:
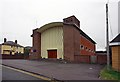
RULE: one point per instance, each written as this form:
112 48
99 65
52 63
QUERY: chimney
5 40
72 20
16 41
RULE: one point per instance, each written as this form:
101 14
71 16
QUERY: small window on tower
89 50
81 47
86 48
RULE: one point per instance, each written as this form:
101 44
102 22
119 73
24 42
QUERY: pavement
6 75
58 70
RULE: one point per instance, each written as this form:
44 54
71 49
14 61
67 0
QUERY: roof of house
101 52
115 41
11 43
29 47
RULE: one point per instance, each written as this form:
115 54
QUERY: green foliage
26 52
109 74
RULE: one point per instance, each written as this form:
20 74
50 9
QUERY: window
89 50
86 48
81 47
10 52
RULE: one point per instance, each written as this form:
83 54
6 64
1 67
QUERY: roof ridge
11 43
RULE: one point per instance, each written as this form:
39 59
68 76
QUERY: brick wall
6 56
70 42
36 54
82 59
87 45
101 59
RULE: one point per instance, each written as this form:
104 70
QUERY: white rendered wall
52 38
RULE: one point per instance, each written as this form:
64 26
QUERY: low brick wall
5 56
82 59
101 59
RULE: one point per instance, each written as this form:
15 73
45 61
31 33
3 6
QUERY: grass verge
109 74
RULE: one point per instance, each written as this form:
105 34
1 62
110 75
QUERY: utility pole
107 39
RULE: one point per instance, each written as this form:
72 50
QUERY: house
115 46
10 49
62 40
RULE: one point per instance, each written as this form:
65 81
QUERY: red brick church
62 40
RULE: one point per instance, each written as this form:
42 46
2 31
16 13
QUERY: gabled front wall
52 38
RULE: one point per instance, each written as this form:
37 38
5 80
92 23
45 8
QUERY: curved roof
60 24
50 25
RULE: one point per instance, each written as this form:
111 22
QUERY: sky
19 17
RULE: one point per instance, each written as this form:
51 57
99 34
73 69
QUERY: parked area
58 70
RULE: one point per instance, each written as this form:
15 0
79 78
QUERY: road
15 74
57 69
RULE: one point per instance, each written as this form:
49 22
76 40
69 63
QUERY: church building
62 40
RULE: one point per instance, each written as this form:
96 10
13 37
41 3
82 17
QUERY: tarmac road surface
9 73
